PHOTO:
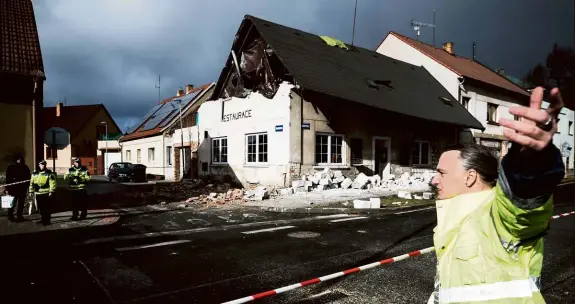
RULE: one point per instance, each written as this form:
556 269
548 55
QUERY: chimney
189 88
448 47
59 107
180 92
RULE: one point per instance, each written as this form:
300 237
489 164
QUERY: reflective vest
77 177
488 249
43 182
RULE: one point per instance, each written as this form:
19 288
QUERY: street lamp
105 123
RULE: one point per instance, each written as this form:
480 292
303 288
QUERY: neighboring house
564 138
152 141
21 84
86 125
289 102
483 92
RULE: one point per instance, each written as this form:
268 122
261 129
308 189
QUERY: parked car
126 171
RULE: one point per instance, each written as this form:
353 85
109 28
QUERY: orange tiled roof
72 118
141 134
19 43
462 66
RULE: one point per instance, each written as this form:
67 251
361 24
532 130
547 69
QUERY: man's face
42 166
76 164
450 178
18 160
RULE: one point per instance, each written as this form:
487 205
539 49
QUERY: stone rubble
334 179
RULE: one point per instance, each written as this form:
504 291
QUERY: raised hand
536 127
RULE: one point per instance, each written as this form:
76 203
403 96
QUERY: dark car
126 171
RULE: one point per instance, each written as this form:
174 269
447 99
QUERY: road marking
321 217
268 229
152 245
415 210
349 219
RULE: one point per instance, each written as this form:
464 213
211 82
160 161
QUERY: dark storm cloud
111 51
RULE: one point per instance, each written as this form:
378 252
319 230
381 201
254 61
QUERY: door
110 158
381 155
185 159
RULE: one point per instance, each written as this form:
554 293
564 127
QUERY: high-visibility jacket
77 177
489 244
43 182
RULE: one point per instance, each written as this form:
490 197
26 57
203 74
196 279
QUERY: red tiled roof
72 118
141 134
462 66
19 43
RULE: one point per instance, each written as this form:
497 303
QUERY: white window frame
419 153
219 141
169 158
151 155
329 138
571 127
465 102
128 155
138 156
496 118
257 135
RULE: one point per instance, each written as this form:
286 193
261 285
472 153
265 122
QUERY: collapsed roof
265 53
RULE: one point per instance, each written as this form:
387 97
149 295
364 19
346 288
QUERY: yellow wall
15 134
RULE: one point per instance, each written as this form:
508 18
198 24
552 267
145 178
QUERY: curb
327 210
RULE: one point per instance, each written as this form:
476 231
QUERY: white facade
233 124
477 101
564 139
147 151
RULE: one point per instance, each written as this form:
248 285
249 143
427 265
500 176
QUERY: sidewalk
60 221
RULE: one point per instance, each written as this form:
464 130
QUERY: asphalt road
160 254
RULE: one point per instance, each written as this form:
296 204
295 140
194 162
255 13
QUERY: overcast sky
111 51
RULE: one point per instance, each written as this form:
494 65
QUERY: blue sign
306 126
279 128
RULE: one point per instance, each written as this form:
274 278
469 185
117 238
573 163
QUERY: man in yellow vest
43 185
490 224
77 176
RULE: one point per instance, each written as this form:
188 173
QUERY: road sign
57 137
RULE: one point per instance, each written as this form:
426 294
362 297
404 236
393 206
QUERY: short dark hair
480 159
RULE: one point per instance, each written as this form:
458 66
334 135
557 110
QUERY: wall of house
86 141
63 159
395 48
156 166
15 134
259 115
326 115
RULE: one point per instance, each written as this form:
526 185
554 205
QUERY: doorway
381 148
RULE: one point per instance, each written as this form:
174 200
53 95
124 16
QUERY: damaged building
289 103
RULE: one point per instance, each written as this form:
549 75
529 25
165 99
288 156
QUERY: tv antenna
159 88
353 29
418 25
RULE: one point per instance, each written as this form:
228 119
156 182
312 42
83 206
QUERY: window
138 156
356 146
49 153
570 128
128 155
465 102
100 132
151 155
420 154
328 149
220 150
492 113
169 155
257 148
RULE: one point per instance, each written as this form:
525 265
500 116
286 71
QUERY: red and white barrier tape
562 215
20 182
330 276
346 272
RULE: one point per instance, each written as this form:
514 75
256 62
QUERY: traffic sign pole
54 151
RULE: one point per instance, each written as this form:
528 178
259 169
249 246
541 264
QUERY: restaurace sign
237 115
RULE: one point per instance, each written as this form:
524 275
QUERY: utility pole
183 154
353 29
159 87
417 26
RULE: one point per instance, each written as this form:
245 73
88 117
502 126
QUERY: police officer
77 176
43 185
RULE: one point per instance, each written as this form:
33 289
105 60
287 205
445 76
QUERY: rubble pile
218 194
328 179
